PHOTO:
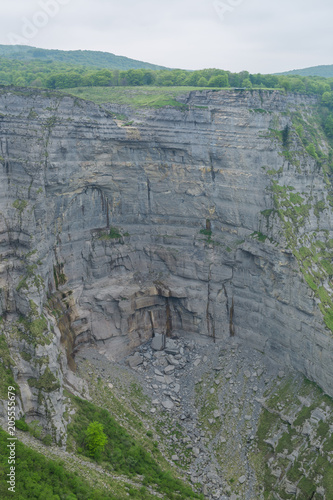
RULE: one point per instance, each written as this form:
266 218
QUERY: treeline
55 75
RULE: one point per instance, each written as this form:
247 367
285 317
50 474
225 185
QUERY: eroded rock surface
167 224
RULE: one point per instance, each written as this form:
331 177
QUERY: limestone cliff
210 219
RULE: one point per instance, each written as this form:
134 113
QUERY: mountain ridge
87 58
324 70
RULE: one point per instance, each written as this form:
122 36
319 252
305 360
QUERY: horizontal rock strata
130 230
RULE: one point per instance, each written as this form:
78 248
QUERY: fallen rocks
173 374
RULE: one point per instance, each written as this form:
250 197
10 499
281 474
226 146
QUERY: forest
58 75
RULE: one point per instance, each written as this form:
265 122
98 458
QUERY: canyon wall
117 224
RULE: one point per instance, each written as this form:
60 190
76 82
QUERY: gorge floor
202 402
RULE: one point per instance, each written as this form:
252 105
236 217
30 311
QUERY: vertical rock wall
112 232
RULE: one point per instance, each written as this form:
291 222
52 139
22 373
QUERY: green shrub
35 429
47 440
311 150
47 382
21 425
20 205
114 233
95 439
206 232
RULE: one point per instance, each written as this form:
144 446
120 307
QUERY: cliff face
178 221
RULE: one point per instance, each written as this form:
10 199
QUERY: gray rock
167 404
172 360
290 488
158 342
176 389
168 380
171 344
159 355
169 369
173 352
135 360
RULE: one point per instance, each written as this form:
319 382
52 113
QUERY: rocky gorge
210 221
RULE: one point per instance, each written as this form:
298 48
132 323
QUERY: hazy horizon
234 35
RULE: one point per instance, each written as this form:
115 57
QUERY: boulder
135 360
158 342
167 404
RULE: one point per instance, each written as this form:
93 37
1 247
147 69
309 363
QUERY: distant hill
325 71
87 58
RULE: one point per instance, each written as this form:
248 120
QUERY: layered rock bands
114 230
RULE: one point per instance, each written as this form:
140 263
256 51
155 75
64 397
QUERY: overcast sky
255 35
